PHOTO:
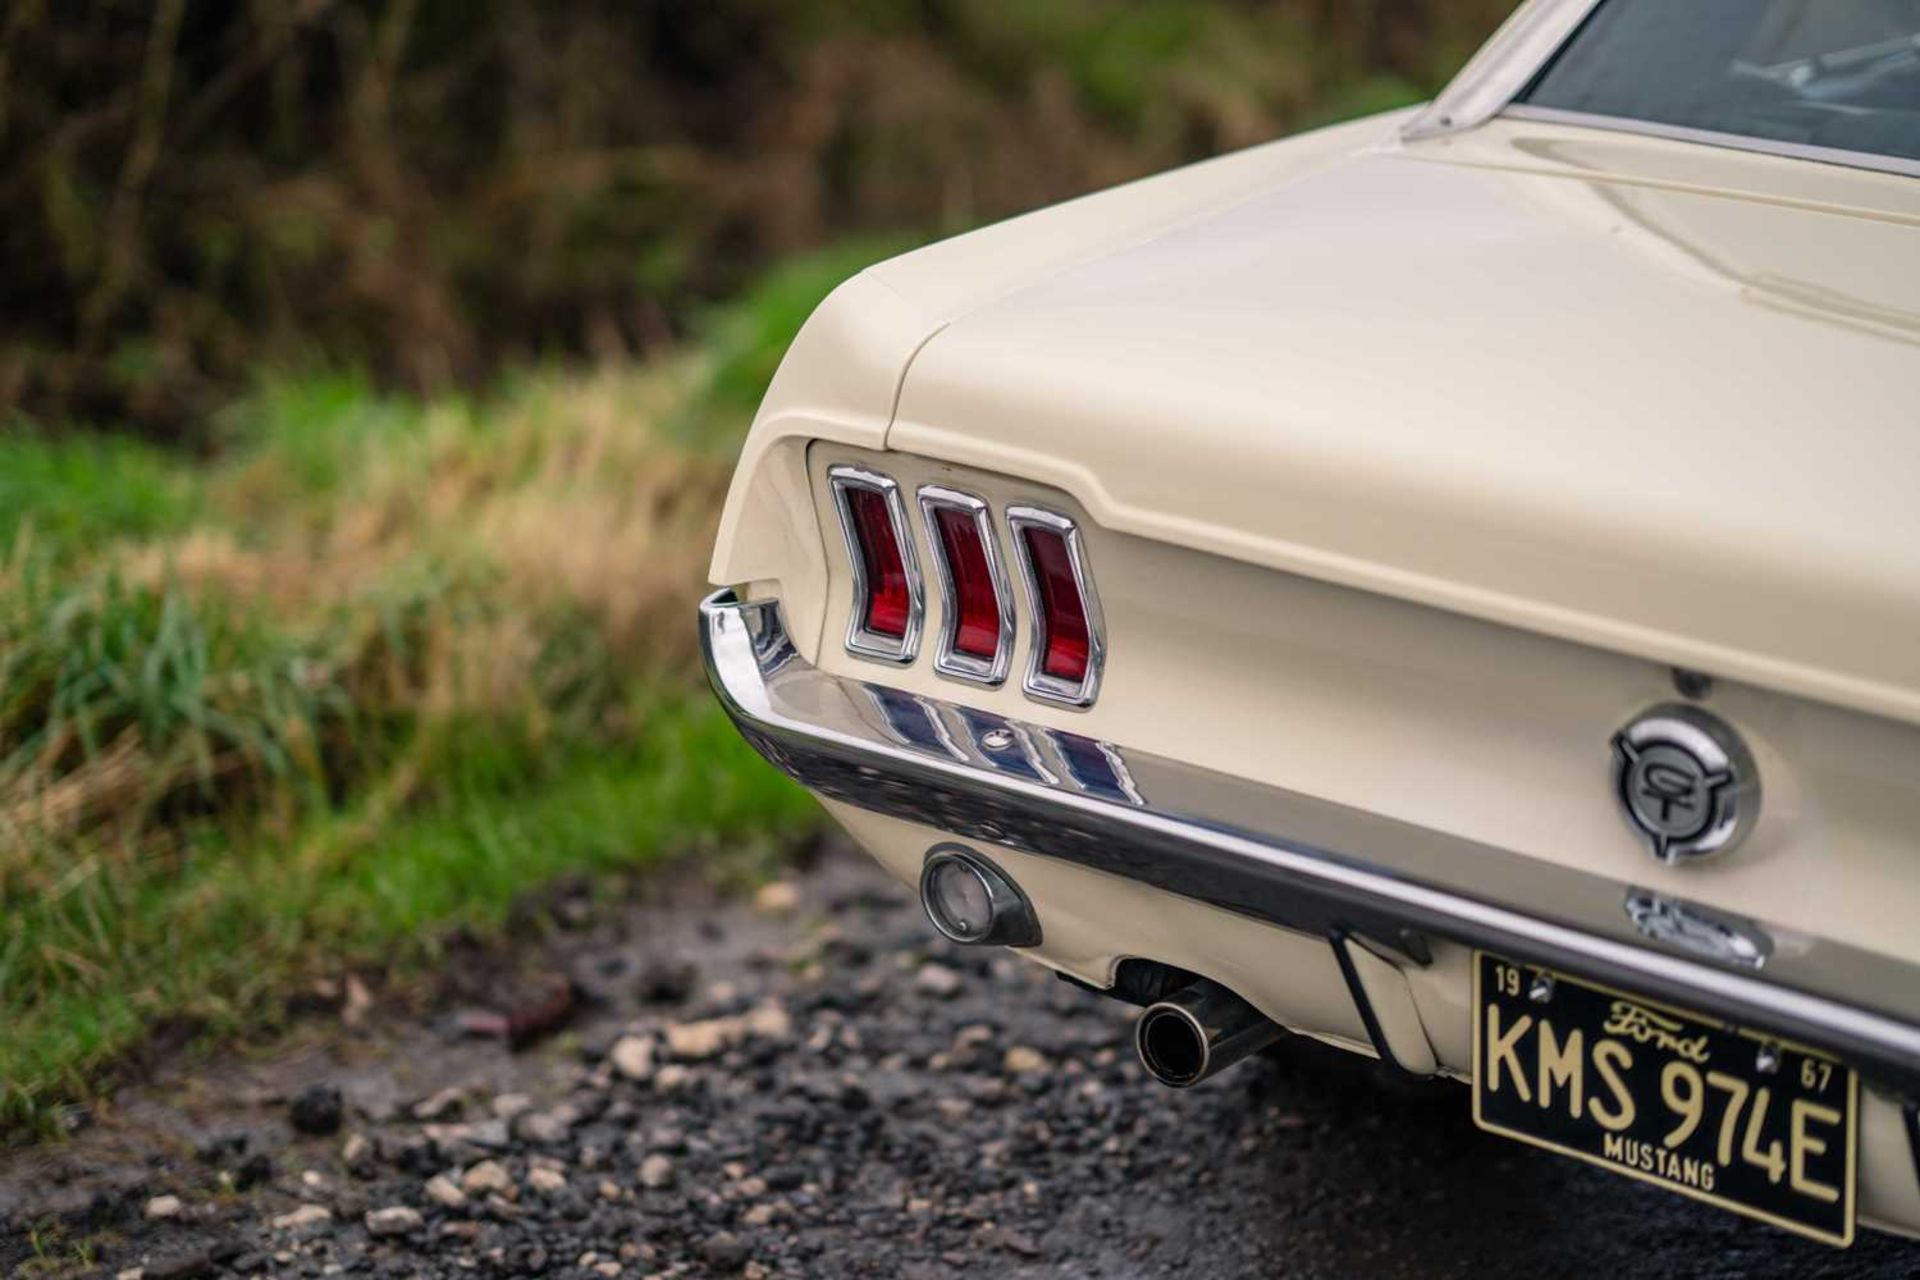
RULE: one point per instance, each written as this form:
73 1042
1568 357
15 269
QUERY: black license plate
1724 1115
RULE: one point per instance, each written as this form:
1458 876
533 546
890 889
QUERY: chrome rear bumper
1291 859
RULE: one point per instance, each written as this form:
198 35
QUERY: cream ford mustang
1447 585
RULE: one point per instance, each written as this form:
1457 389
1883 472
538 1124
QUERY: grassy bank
371 671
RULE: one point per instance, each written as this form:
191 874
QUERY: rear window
1825 73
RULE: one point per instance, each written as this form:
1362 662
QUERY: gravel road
813 1085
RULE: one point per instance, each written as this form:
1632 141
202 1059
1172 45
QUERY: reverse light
1068 646
972 901
976 629
888 604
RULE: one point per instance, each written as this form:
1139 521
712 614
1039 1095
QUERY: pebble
306 1217
666 981
656 1171
632 1057
161 1208
547 1127
181 1266
698 1041
546 1181
937 980
1012 1241
249 1173
508 1105
445 1192
358 1155
767 1020
316 1110
1021 1061
777 898
724 1252
443 1105
489 1176
394 1220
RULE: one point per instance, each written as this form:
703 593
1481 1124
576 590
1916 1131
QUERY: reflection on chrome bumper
1290 859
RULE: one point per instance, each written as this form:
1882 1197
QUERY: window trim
1504 67
1709 137
1531 38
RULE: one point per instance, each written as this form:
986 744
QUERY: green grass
60 495
319 430
376 670
218 938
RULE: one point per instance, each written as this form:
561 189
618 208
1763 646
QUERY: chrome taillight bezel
860 641
947 659
1037 683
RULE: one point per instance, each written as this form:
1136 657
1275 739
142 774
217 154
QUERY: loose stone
394 1220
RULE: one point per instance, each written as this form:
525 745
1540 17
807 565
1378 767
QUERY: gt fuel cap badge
1686 783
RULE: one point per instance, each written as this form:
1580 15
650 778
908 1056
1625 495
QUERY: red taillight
884 621
976 630
976 605
1068 647
888 607
1063 614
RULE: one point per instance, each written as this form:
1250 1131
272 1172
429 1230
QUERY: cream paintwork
1299 400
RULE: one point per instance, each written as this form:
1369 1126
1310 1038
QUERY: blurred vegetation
318 636
374 671
427 190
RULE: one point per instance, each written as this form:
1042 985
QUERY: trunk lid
1542 375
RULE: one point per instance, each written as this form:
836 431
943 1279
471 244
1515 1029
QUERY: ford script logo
1686 783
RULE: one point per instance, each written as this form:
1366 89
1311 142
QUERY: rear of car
1442 585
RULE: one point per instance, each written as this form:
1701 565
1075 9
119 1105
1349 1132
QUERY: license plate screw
996 739
1767 1060
1542 989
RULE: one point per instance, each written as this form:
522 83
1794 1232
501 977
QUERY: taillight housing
1069 643
975 640
888 602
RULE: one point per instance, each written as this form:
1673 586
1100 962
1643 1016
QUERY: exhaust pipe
1199 1032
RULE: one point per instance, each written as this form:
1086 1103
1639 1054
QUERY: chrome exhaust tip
1198 1032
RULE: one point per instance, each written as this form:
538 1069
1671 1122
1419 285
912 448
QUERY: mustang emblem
1685 782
